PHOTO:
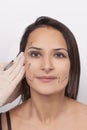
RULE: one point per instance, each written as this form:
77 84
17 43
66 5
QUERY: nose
47 65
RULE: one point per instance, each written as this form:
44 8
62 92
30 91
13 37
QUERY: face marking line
30 77
29 65
58 79
61 80
64 78
30 43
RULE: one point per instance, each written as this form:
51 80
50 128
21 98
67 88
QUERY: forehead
47 37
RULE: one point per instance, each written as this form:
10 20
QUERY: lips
46 78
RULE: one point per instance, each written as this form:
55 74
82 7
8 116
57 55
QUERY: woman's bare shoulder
79 109
78 114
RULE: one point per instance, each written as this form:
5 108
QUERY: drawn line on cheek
29 65
30 79
64 79
60 81
30 43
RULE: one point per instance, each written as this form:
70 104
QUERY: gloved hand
11 77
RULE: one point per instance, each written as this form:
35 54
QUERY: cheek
63 73
30 67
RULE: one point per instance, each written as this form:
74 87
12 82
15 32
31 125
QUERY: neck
48 107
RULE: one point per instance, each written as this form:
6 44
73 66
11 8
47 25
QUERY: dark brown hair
71 89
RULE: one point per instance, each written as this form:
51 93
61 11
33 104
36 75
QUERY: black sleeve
0 122
8 120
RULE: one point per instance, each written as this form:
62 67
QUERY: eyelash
59 55
35 54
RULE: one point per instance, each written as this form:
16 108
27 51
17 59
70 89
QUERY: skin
48 108
42 65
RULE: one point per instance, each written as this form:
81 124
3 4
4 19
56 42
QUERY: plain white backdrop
15 15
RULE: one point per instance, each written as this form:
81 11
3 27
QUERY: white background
15 15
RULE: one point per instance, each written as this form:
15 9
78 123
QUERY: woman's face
46 61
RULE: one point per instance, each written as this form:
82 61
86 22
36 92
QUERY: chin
47 91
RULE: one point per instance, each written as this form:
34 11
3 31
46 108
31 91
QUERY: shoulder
78 114
81 114
79 106
16 114
79 109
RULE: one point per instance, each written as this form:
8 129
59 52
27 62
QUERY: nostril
47 70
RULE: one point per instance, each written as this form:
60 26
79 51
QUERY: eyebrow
57 49
34 48
60 49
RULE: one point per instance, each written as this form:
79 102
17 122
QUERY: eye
34 54
59 55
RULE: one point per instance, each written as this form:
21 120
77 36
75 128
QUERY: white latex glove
10 78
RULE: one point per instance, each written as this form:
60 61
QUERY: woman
50 86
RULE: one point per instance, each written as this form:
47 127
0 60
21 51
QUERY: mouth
47 78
